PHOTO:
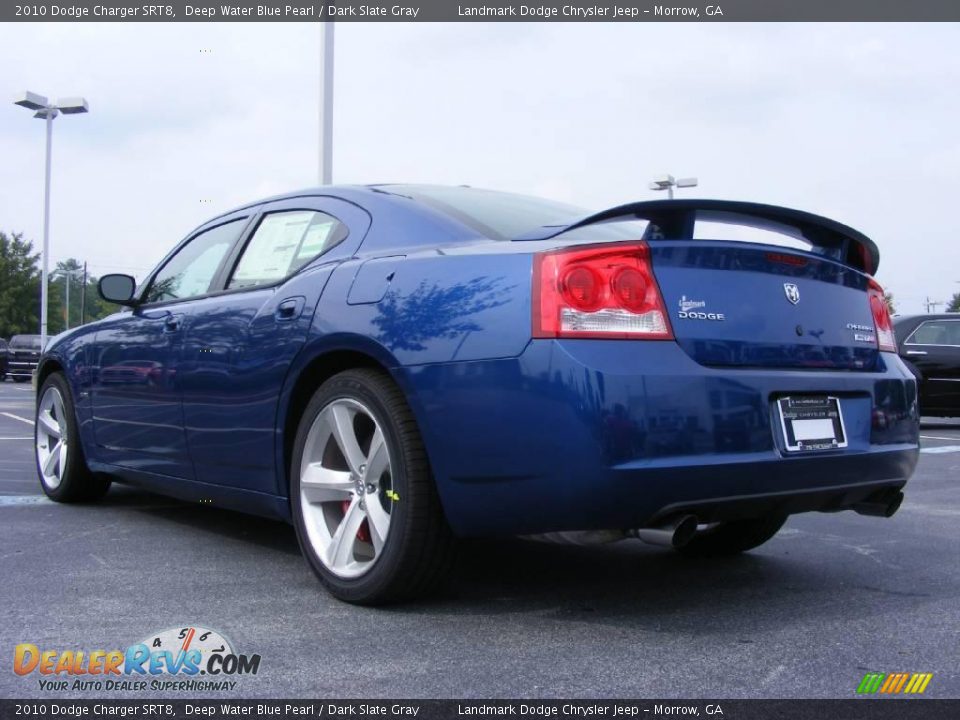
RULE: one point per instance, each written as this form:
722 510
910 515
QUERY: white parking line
941 449
9 500
17 417
936 437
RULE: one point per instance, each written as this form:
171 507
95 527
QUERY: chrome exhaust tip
880 505
675 533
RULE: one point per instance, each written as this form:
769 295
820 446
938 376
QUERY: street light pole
669 182
45 262
326 103
47 111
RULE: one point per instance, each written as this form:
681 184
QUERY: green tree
85 300
891 306
19 286
954 304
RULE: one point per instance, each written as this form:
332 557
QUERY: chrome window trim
925 322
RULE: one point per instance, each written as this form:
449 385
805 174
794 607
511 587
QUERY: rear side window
283 243
936 332
191 271
498 215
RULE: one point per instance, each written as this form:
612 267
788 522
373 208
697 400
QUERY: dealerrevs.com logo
187 658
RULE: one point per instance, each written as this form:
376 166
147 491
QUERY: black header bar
485 11
380 709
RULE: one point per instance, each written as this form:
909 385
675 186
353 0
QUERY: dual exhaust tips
679 530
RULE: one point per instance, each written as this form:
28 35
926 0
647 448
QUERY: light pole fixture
45 110
669 182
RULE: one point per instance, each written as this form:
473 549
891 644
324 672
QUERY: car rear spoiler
675 220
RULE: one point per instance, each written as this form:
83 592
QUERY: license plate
811 423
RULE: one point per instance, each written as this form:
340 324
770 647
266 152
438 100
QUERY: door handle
916 352
289 309
172 324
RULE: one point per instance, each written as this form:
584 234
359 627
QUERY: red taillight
598 291
886 340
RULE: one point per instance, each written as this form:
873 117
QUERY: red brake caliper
363 533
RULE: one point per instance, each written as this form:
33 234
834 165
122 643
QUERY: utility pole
932 304
67 279
83 295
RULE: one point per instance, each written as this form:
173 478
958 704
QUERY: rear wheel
365 508
730 538
63 471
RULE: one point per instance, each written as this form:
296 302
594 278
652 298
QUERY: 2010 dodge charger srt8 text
392 367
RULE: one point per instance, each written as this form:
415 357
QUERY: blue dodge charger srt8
392 367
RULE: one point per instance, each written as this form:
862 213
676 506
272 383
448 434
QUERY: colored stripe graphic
921 682
889 682
871 683
894 683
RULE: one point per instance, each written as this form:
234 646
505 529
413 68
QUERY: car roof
351 193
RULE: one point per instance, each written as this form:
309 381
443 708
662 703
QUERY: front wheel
365 507
63 471
730 538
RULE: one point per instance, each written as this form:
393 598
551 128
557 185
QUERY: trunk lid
742 305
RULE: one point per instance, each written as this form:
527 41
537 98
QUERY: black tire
77 483
420 548
731 538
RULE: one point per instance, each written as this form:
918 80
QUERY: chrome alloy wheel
52 441
346 490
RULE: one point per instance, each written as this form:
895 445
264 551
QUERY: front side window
283 243
937 332
191 271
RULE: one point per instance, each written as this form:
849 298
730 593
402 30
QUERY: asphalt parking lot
829 599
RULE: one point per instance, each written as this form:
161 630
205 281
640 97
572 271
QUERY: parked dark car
930 345
391 367
3 359
23 355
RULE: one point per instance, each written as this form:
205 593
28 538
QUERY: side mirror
117 288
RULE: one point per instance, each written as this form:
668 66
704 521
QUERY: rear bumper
576 435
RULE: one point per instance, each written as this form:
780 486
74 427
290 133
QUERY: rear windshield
31 342
498 215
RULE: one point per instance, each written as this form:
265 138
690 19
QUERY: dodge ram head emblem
792 292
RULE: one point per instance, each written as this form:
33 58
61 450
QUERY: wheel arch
312 369
47 367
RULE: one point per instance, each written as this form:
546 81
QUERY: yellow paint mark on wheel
393 496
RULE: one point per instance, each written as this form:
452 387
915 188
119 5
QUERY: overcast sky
859 122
